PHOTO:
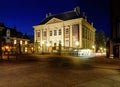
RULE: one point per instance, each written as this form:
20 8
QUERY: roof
14 33
63 16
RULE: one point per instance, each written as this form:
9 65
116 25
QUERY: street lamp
77 44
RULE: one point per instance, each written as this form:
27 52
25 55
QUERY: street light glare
76 43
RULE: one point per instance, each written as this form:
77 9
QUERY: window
59 41
67 43
26 42
50 33
44 33
50 42
21 42
55 32
59 31
38 34
15 41
67 31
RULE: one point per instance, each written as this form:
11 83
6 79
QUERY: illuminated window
21 42
25 49
26 42
15 41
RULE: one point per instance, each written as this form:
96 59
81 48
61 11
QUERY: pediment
54 20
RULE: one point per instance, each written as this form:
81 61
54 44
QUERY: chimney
50 14
46 15
85 18
92 24
83 14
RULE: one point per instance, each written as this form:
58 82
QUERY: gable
54 20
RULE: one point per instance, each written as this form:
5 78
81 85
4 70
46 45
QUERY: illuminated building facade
13 40
70 29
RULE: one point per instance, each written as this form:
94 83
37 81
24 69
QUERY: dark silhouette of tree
101 39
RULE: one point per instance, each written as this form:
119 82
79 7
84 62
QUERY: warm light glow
100 48
32 48
26 42
47 44
25 49
76 43
15 41
21 42
42 42
39 47
7 47
104 49
93 46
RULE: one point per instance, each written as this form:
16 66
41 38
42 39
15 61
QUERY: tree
101 40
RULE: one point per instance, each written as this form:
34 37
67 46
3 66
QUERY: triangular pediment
54 20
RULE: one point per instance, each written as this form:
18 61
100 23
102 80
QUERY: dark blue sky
26 13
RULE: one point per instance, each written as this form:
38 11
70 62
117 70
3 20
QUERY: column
34 35
41 33
80 35
71 36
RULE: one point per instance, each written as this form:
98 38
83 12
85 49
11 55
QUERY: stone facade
67 32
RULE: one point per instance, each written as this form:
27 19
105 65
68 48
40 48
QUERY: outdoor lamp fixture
77 43
93 47
101 49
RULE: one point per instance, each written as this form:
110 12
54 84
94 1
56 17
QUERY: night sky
23 14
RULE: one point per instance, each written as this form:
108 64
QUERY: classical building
70 29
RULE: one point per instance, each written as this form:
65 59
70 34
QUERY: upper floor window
59 31
55 32
50 33
21 42
67 31
38 34
44 34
